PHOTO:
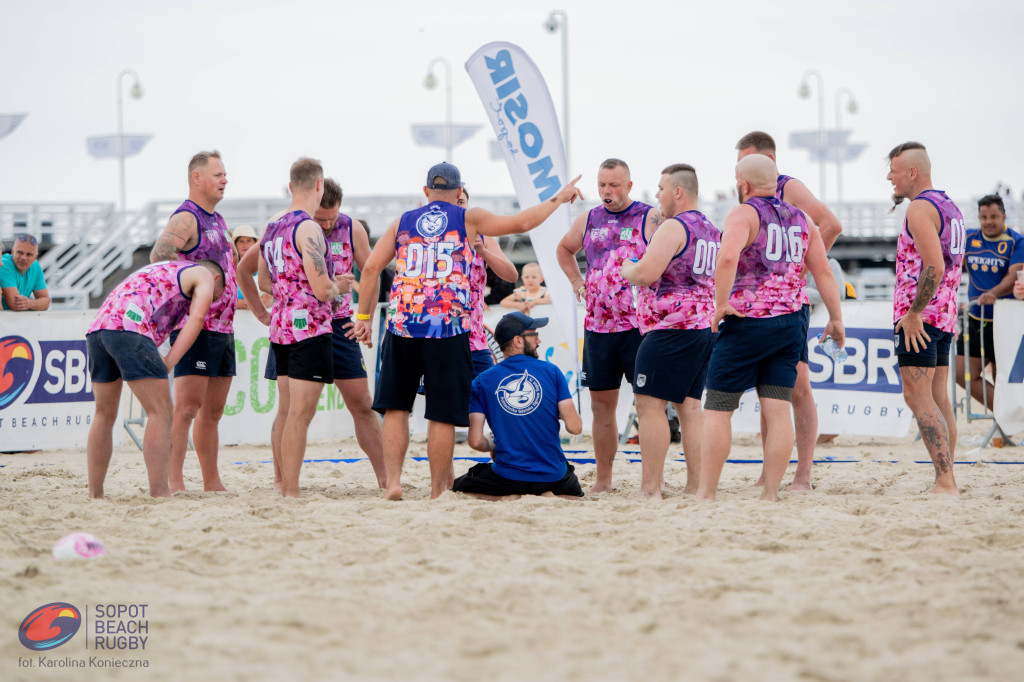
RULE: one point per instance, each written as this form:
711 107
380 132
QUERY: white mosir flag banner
520 110
1009 337
106 147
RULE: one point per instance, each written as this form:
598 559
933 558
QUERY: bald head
758 174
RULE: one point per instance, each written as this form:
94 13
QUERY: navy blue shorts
482 361
308 360
757 352
934 354
212 355
806 312
348 357
672 364
124 355
482 480
609 357
447 370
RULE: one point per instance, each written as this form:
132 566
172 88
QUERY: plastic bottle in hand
833 349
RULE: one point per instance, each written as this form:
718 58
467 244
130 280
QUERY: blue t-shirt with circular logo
520 396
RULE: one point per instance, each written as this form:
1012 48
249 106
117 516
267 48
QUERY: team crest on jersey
433 222
337 248
599 233
519 394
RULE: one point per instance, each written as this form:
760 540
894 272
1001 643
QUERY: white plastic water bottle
833 349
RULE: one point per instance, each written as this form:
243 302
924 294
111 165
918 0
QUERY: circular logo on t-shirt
519 394
433 222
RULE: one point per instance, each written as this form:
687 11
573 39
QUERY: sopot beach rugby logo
50 626
519 394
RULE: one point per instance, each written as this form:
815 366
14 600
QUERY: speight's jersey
214 244
148 302
684 296
339 248
609 240
770 278
941 310
296 314
430 293
987 261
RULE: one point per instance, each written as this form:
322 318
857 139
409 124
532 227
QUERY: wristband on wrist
361 316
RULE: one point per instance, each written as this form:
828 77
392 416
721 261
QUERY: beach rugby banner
519 107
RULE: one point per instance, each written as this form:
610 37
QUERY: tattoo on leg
936 439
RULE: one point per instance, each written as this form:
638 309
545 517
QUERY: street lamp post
430 82
559 19
136 93
841 150
805 92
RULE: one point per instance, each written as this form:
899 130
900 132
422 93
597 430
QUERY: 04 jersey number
273 253
785 243
432 260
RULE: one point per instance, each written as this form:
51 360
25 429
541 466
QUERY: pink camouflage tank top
684 296
214 244
148 302
339 246
609 240
941 310
770 278
296 314
477 285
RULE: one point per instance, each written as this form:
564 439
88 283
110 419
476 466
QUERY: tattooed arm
923 223
310 240
181 234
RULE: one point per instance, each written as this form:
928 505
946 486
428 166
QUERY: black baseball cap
448 173
514 324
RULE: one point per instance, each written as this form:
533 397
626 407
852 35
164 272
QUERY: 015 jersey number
432 260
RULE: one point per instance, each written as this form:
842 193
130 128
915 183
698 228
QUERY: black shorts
211 355
609 357
672 364
308 360
755 352
978 333
348 356
482 480
447 370
124 355
806 312
934 354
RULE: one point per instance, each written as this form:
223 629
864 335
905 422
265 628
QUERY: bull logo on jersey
433 222
519 394
16 363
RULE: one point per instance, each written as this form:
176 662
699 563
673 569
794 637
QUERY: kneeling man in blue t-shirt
522 398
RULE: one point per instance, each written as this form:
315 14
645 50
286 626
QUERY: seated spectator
531 293
243 238
21 277
522 398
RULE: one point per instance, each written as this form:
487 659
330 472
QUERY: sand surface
866 578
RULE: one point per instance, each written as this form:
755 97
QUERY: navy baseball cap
514 324
452 178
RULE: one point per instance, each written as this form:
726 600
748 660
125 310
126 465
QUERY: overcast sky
653 83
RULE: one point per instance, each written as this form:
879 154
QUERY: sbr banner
862 396
46 396
519 106
1009 337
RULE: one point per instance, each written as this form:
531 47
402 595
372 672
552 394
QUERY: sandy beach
866 578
